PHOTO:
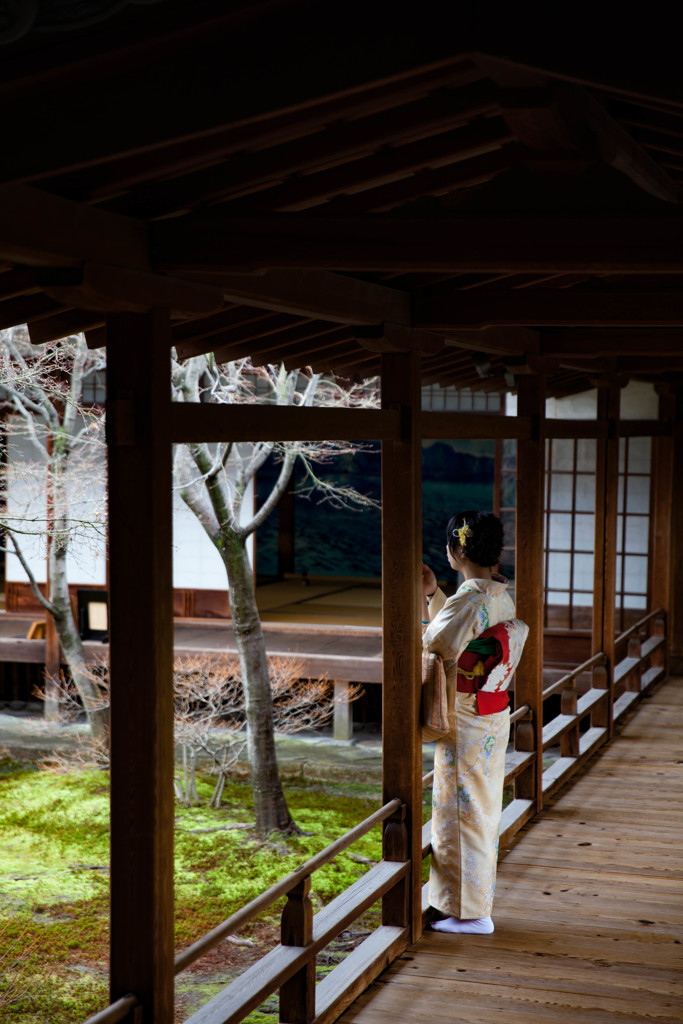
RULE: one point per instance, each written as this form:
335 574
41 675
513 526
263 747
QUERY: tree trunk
71 643
270 806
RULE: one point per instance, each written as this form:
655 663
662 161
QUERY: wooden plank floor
588 911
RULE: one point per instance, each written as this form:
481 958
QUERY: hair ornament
463 533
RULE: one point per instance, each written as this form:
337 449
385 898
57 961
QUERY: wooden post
297 995
529 573
343 711
401 614
605 558
141 657
666 560
569 743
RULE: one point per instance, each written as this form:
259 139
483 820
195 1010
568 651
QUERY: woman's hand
429 583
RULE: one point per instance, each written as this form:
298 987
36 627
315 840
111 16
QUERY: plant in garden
209 716
57 493
213 481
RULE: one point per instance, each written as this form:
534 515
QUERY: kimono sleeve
462 617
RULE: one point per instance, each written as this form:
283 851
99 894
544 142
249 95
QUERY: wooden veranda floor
588 912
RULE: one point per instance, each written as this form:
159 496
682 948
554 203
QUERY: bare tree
208 716
213 481
42 388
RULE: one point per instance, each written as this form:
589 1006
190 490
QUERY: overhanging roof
318 197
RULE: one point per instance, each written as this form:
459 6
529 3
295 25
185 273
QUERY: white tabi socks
478 926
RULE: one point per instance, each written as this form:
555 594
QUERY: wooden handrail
115 1011
519 713
638 625
281 888
597 659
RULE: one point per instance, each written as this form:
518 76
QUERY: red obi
498 648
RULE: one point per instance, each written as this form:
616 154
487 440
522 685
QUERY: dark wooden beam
529 571
556 116
656 342
61 325
489 244
141 658
481 426
401 632
39 229
605 548
206 422
316 293
26 309
109 289
505 341
397 338
550 308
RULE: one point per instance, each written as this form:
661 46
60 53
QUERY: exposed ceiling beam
655 343
550 308
106 288
42 230
556 116
476 244
317 293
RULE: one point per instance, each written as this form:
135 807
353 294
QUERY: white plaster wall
196 563
27 500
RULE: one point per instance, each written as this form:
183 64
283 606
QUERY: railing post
395 848
297 996
529 571
569 742
633 678
659 656
600 714
525 740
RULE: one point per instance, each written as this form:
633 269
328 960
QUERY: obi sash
486 665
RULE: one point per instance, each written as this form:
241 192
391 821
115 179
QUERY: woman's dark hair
482 533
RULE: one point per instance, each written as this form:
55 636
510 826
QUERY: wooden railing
640 661
290 966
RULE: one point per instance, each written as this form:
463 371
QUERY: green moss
54 880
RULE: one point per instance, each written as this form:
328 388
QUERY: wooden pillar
666 552
529 596
605 558
141 657
401 616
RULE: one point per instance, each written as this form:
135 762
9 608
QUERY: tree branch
47 605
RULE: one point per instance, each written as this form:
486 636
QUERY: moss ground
54 881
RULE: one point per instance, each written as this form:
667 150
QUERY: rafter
248 171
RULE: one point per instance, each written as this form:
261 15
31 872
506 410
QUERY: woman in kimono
469 763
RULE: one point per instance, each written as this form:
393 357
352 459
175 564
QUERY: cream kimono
469 763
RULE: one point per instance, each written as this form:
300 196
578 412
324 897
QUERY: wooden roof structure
480 202
288 191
